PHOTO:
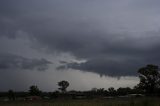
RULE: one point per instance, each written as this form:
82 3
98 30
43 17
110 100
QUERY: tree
63 85
124 91
11 95
34 91
149 78
112 91
100 91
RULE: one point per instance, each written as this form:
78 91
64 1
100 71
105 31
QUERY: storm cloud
113 37
14 62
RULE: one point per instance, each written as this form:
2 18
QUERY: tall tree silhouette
149 78
34 91
63 85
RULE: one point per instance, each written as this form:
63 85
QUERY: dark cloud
14 62
104 66
115 38
108 55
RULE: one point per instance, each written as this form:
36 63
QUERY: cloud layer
113 37
14 62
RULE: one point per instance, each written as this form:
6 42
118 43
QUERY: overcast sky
90 43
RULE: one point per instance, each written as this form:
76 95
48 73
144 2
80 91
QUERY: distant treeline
149 85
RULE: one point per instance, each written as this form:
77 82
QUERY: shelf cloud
114 38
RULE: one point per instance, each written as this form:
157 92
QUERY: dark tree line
149 85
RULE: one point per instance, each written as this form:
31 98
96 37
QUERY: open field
95 102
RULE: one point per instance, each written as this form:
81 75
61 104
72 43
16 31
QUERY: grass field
95 102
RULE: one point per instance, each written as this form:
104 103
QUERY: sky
90 43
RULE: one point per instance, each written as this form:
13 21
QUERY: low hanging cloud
104 66
14 62
114 37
